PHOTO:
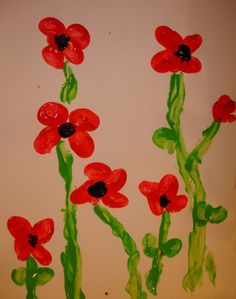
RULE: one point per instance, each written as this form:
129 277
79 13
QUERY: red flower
163 196
178 54
103 184
223 108
29 240
55 116
63 42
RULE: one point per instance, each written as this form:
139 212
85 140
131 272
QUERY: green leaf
165 138
216 215
211 267
199 213
69 88
19 276
43 276
172 247
150 245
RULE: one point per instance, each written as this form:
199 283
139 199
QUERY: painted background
117 82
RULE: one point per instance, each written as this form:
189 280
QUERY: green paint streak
211 267
69 88
71 258
31 269
134 285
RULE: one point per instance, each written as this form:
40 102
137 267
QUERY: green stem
134 285
71 258
29 281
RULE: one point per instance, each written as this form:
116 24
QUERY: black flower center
97 190
62 41
66 130
33 240
164 201
184 53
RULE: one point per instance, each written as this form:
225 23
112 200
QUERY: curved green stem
134 285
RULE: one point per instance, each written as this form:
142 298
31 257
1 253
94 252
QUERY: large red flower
178 54
29 240
63 42
103 184
55 116
223 108
163 196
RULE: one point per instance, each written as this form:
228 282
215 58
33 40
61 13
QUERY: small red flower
29 240
103 184
178 54
63 42
163 196
55 116
223 108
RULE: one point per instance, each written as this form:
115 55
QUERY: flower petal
44 230
82 144
168 38
81 195
97 171
22 248
154 204
193 42
51 26
46 140
223 108
53 57
115 200
19 227
147 188
52 114
42 255
168 185
79 34
84 119
165 61
177 203
116 179
73 53
193 66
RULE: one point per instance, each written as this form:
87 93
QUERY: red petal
42 255
52 114
223 108
193 66
193 42
82 144
46 140
168 38
84 119
154 204
44 230
73 53
97 171
79 34
177 203
53 57
51 26
116 179
22 249
19 227
147 188
81 195
168 185
165 61
115 200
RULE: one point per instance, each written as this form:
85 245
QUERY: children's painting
118 150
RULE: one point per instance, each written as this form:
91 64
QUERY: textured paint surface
69 88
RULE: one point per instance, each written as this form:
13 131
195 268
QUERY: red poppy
63 42
223 108
55 116
178 54
163 196
103 184
29 240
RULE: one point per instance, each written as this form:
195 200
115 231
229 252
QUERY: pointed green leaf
216 215
172 247
165 138
211 267
19 276
69 88
149 245
43 276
